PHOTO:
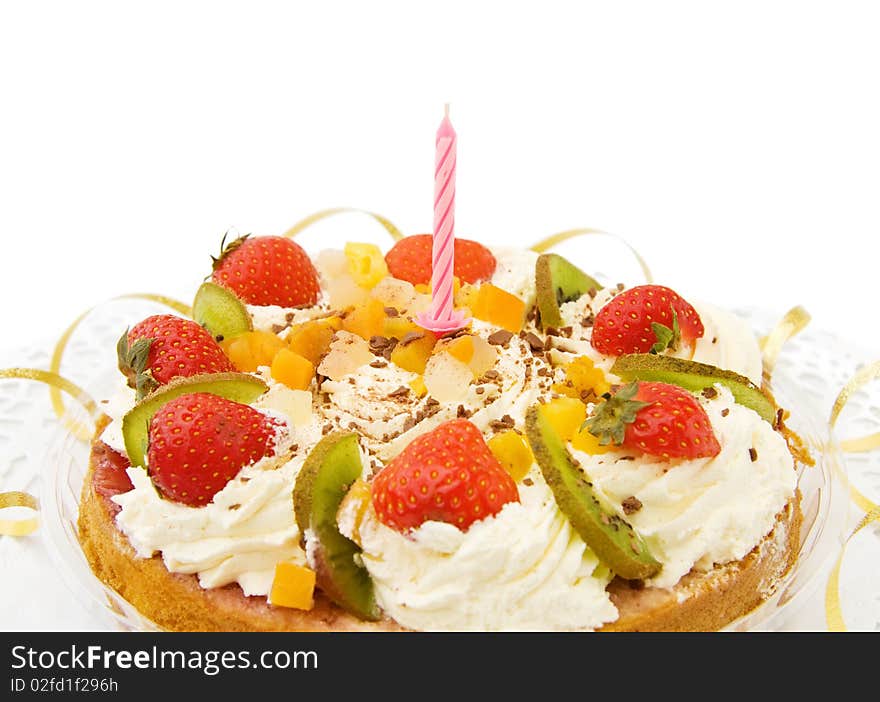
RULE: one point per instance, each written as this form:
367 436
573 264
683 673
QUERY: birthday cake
303 454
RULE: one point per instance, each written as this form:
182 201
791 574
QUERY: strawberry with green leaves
447 475
643 319
165 346
199 442
267 270
410 259
655 418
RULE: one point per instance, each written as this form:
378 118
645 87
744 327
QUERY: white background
736 145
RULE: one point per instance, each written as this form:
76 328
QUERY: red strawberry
109 477
656 418
643 318
199 442
267 270
447 475
163 347
410 259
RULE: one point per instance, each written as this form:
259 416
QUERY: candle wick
446 110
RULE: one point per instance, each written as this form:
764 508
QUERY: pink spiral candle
441 317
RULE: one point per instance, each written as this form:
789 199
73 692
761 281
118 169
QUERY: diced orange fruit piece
366 320
583 378
499 307
252 349
566 415
366 264
413 356
399 326
293 586
513 452
355 503
461 348
586 442
417 385
295 371
312 339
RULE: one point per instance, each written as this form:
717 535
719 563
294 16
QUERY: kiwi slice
323 481
239 387
220 312
612 539
557 280
695 377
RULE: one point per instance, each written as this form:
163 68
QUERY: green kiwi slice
328 472
612 539
557 280
220 312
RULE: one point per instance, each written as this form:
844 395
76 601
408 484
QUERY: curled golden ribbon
323 214
864 376
549 242
25 525
794 321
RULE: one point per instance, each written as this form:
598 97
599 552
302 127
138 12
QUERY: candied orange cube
582 379
399 326
252 349
417 385
312 339
295 371
366 264
513 452
566 415
499 307
461 348
413 355
293 586
366 320
586 442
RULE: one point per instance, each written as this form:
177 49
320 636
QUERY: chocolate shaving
491 374
479 390
534 341
409 423
377 343
709 393
409 337
631 505
753 454
500 337
725 412
378 363
392 312
528 481
402 391
386 352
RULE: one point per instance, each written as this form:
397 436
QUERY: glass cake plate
808 370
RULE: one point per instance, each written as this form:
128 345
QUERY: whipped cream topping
239 537
273 318
523 569
706 511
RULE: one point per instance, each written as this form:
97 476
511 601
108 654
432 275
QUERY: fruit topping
611 538
292 369
347 353
330 469
695 377
583 380
645 318
293 586
366 264
656 418
447 379
410 259
239 387
267 270
340 288
312 339
250 350
413 351
199 442
110 478
366 320
513 452
220 312
565 415
447 475
165 346
557 280
499 307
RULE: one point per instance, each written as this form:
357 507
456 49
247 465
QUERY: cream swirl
523 569
706 511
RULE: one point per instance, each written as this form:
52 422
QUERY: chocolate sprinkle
500 337
409 337
709 393
631 505
402 391
725 412
753 454
534 341
392 311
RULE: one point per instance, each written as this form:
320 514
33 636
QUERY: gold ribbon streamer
865 375
323 214
791 323
554 239
76 428
23 526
